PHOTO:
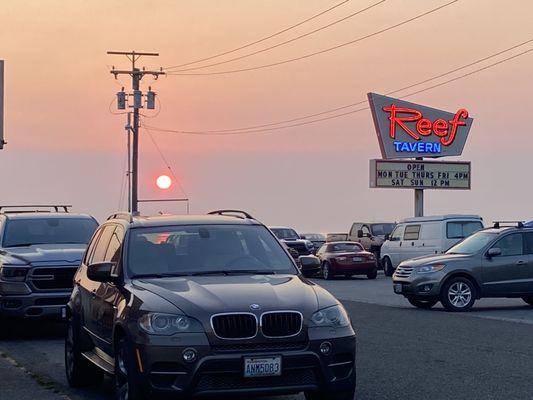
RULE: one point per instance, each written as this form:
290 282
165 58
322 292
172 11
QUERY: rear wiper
165 275
235 271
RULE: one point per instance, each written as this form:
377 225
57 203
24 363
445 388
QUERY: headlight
334 317
430 268
13 273
167 324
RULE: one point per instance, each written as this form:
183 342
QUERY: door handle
521 262
412 243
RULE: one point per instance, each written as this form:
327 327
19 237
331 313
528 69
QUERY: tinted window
411 232
283 233
381 229
342 247
315 236
529 242
103 243
28 231
462 229
472 244
92 245
113 250
200 248
511 245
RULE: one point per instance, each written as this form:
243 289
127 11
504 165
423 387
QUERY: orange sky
65 145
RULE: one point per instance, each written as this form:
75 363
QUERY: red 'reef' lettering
424 127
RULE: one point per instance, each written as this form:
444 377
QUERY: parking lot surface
403 352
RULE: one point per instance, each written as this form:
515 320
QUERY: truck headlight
425 269
13 273
168 324
334 317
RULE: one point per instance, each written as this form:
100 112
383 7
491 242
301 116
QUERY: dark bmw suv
180 306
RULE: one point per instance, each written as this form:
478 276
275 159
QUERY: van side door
410 243
392 247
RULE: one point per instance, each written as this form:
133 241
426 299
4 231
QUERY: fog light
189 355
426 288
325 348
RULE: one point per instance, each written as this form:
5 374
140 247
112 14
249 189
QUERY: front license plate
263 366
398 288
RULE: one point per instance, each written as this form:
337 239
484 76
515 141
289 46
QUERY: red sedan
348 259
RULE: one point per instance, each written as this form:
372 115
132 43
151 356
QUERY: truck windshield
382 229
472 244
31 231
285 233
206 250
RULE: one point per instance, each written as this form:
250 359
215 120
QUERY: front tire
387 267
127 386
322 395
528 300
373 274
80 371
423 304
458 294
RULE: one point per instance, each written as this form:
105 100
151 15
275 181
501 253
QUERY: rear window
201 248
28 231
462 229
283 233
345 247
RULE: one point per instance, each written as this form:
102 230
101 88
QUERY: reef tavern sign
408 130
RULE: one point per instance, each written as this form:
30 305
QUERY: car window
511 245
412 232
529 242
205 248
92 246
355 228
103 242
345 247
472 244
113 250
366 230
381 229
462 229
397 233
285 233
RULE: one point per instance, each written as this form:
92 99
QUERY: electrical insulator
121 100
137 99
150 99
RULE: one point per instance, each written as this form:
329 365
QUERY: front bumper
34 305
219 369
360 268
419 285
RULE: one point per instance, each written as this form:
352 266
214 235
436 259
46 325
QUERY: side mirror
101 272
309 265
387 237
494 252
360 234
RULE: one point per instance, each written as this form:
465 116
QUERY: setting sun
163 182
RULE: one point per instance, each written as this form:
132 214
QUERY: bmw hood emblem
255 306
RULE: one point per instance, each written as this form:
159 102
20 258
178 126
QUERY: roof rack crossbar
233 213
498 224
55 207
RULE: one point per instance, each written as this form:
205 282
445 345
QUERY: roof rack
30 208
516 224
232 213
121 215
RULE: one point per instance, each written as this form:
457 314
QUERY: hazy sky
65 146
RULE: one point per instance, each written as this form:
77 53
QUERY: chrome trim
235 313
341 363
278 312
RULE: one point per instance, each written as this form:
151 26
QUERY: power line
262 39
286 41
343 114
321 51
329 111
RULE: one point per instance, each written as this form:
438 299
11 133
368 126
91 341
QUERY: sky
67 144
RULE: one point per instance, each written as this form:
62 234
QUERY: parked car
222 311
336 237
318 239
291 238
495 262
416 237
347 259
39 255
371 235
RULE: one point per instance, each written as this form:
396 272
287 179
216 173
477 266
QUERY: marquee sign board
420 174
408 130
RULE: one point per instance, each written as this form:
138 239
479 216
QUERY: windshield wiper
165 275
235 271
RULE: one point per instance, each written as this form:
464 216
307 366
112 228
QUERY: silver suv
494 262
40 252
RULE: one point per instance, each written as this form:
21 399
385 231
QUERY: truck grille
53 278
234 326
281 324
403 272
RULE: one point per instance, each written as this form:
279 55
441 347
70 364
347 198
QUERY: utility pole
136 75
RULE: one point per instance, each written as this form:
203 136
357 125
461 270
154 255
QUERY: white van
422 236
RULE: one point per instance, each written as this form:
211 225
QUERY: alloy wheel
325 271
459 294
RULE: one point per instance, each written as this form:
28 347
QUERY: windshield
206 249
472 244
346 247
382 229
315 236
285 233
30 231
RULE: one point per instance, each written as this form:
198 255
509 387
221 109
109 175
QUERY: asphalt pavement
403 352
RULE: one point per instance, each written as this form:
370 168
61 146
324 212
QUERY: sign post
2 104
411 131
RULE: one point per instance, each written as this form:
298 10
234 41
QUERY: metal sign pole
2 104
419 198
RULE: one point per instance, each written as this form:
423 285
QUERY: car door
89 288
528 237
508 272
393 246
409 244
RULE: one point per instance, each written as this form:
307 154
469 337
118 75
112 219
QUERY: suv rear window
30 231
462 229
201 248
